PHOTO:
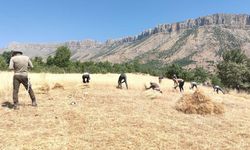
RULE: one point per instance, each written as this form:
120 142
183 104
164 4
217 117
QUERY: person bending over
193 84
85 77
154 86
180 83
217 89
122 79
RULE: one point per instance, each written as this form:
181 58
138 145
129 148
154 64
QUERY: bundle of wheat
58 86
198 103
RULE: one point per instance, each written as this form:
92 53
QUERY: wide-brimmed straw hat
14 52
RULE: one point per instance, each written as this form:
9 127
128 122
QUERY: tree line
233 71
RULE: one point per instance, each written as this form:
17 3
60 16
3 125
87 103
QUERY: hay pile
198 103
58 86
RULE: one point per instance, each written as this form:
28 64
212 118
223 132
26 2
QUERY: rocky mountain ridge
235 21
193 42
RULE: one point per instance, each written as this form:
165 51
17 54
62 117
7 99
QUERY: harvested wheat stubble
58 86
44 89
198 103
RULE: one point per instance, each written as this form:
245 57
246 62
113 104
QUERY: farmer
193 84
160 78
174 76
238 88
180 83
175 83
154 86
122 79
217 89
20 64
85 77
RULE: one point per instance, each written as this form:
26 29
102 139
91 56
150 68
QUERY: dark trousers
181 84
194 85
219 89
85 78
17 80
122 80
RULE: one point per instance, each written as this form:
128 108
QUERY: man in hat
122 79
20 64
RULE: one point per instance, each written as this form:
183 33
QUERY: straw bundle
58 86
198 103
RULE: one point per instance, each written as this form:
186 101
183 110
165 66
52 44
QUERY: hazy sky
33 21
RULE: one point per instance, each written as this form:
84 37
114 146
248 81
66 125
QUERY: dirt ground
100 116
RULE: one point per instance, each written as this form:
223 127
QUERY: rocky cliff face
226 20
192 42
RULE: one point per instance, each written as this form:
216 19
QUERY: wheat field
100 116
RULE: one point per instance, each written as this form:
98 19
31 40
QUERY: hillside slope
192 42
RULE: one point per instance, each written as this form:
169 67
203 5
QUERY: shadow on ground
7 105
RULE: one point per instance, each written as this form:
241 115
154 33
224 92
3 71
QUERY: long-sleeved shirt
20 64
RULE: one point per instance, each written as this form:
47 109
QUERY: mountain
194 42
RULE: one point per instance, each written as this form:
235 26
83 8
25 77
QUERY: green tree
215 80
7 56
39 65
50 61
38 60
200 75
234 69
3 64
187 75
236 56
173 69
62 56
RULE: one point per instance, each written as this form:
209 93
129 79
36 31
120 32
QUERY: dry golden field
100 116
